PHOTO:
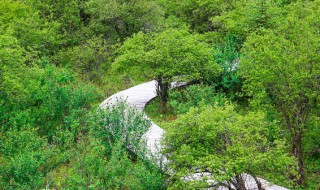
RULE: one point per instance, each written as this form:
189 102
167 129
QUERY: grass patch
153 111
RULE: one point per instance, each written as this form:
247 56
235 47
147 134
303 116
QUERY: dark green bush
227 55
25 159
52 95
193 96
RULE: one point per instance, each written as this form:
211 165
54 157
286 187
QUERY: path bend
138 96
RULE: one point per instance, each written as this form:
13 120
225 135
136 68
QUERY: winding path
138 96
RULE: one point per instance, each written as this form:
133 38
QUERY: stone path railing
138 96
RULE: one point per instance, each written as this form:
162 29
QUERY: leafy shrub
52 95
218 140
25 159
194 96
91 59
120 123
227 56
110 153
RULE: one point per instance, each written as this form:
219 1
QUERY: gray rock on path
138 96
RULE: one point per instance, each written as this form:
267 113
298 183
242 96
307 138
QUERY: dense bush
25 159
109 153
194 96
227 55
91 59
220 141
104 149
51 96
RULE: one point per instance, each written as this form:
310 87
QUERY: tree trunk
163 107
259 185
296 151
296 124
162 88
240 183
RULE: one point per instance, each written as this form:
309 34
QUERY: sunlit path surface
138 96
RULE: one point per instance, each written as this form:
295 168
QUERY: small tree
228 145
165 55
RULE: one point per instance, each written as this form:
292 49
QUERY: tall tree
164 55
283 66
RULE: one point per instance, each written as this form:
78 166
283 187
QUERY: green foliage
312 168
312 140
194 96
121 128
102 149
57 98
25 158
51 138
48 139
121 123
281 66
90 169
120 19
23 22
90 59
109 153
218 140
66 17
52 95
169 53
312 152
11 56
249 16
164 55
196 13
227 56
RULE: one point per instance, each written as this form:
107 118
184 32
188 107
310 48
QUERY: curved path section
138 96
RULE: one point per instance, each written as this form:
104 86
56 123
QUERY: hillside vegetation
252 104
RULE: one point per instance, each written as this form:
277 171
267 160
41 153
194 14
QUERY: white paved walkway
138 96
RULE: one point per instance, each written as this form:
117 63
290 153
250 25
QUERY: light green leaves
219 140
169 53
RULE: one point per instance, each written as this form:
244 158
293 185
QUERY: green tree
283 66
66 17
120 19
164 55
197 13
248 16
226 144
